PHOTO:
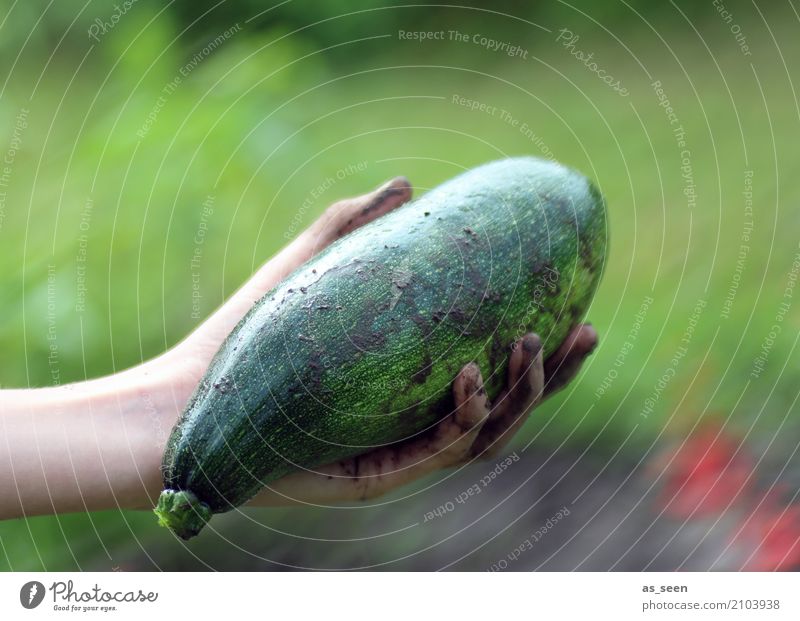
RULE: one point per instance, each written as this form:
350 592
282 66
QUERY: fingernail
472 373
397 185
594 340
402 181
532 344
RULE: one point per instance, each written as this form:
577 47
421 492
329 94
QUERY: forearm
98 444
92 445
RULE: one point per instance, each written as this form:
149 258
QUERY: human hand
474 430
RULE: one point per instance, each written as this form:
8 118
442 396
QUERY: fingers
456 433
525 390
346 216
447 445
383 469
527 385
518 387
565 363
470 431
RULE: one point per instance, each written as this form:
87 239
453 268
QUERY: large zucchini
359 346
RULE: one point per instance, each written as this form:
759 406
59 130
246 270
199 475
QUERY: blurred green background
118 140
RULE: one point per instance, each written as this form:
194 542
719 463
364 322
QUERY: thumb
347 215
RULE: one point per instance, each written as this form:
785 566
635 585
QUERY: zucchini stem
182 512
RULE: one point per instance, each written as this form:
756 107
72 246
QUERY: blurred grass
268 117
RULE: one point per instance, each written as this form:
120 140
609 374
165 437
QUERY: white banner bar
401 596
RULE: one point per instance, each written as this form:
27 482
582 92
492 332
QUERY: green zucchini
358 347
